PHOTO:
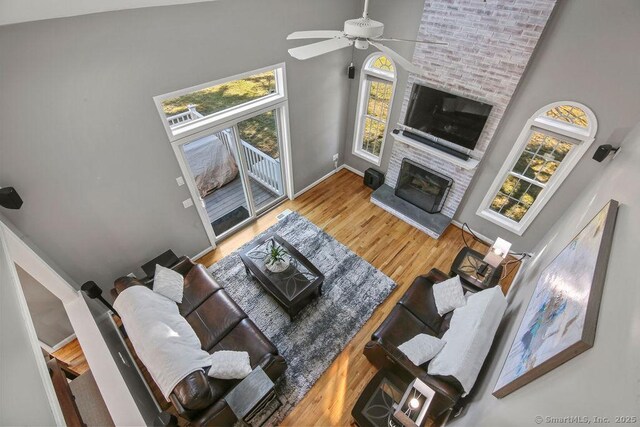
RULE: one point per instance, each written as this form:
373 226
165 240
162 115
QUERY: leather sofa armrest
192 393
436 276
438 385
125 282
183 266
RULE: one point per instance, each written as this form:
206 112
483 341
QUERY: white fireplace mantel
470 164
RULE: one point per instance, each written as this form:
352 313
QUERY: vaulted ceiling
16 11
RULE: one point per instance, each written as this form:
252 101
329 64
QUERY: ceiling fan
360 32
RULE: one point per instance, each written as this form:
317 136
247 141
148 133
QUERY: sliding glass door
236 172
260 144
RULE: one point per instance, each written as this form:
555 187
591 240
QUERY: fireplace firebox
422 187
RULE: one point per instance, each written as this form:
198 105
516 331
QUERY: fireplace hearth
422 187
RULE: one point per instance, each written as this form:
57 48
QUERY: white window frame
581 137
225 119
215 119
367 75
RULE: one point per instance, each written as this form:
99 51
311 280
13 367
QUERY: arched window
377 85
548 148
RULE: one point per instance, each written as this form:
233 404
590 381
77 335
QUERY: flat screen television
447 117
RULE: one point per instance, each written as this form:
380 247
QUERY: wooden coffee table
293 288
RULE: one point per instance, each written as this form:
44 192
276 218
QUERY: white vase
278 266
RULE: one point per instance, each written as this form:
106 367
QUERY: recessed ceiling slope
16 11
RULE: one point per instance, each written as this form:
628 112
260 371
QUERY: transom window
377 85
548 148
186 111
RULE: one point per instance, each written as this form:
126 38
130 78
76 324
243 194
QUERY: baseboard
314 183
204 252
351 169
333 172
62 343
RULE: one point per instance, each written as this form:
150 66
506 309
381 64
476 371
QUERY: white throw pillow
230 365
448 295
421 348
168 283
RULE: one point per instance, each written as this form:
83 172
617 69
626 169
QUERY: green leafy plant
275 254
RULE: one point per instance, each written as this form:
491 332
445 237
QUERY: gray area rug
352 290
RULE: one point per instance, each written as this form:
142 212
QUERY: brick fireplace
489 46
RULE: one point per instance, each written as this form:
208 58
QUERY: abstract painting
561 318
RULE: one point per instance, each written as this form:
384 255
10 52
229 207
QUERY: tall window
546 151
377 85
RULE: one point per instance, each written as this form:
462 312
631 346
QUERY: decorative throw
165 343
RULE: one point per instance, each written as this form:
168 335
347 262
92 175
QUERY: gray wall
81 140
603 381
588 53
21 386
401 19
47 312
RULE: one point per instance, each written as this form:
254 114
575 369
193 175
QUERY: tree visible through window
376 93
259 131
553 141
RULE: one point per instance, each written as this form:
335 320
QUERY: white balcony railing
188 116
263 168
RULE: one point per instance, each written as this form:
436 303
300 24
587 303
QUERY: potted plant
277 259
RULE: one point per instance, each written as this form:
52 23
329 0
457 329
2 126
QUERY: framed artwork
561 318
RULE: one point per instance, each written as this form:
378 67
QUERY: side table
252 395
466 266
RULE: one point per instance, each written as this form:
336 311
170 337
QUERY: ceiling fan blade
391 39
399 59
320 48
319 34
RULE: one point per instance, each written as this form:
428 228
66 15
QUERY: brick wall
489 46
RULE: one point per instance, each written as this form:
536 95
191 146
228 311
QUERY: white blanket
163 339
469 337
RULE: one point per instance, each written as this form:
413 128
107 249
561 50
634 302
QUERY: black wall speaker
9 198
373 178
603 151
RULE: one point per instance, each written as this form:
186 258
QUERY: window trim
367 75
572 134
215 119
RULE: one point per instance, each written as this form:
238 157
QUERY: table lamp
413 406
497 253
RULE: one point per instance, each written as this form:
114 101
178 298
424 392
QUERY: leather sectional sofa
220 324
415 314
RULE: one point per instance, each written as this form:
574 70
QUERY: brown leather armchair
415 314
220 324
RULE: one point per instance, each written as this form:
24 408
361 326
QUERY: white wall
23 398
605 380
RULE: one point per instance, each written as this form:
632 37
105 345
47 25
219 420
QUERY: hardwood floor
340 205
73 356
